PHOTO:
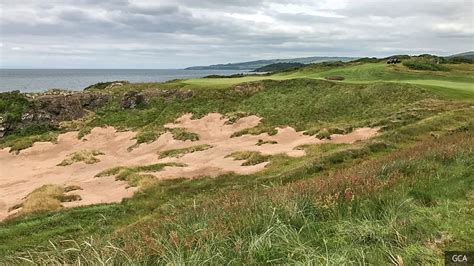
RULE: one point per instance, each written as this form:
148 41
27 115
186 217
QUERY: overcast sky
179 33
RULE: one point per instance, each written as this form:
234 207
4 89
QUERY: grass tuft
250 157
133 176
86 156
45 198
177 153
183 134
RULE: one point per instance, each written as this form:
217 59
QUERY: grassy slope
301 103
156 224
459 80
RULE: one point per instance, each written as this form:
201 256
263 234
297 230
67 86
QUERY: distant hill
252 65
278 67
467 55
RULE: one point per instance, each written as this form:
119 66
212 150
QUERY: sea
38 80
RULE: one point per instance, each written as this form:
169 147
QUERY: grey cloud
177 33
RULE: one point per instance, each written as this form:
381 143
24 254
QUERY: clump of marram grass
250 157
323 134
177 153
326 133
46 198
86 156
18 143
255 131
234 116
260 142
133 175
183 134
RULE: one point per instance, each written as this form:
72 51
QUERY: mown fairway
459 80
404 196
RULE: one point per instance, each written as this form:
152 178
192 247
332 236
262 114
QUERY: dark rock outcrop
51 108
3 126
57 108
131 99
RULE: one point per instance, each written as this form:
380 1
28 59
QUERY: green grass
250 157
460 77
398 207
177 153
268 98
301 103
16 143
133 175
86 156
404 195
45 198
183 134
13 105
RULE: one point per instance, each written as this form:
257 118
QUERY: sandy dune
36 166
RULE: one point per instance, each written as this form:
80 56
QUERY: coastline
41 80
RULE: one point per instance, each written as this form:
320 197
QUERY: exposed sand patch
36 166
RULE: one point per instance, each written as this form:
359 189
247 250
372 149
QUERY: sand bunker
36 166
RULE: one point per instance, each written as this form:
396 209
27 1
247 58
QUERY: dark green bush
423 64
13 104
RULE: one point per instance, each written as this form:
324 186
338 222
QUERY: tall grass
405 207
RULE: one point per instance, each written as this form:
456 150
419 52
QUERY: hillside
467 55
252 65
281 168
278 67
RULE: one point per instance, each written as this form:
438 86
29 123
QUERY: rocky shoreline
48 109
51 108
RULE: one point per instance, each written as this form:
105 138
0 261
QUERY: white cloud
177 33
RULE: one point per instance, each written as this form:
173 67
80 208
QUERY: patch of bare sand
36 166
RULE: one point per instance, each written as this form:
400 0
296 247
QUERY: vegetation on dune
387 210
18 142
218 95
301 103
232 117
133 175
86 156
323 134
401 197
250 157
177 153
46 198
183 134
261 142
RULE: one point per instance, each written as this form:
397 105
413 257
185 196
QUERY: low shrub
250 157
423 64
